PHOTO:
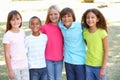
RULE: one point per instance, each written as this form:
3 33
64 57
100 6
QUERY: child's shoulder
22 30
8 34
43 25
42 34
47 24
85 30
101 30
27 37
77 23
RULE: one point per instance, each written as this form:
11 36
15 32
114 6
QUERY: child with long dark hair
96 37
14 48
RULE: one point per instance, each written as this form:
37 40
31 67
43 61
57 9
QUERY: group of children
82 46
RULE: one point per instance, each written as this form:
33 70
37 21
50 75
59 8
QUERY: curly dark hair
100 24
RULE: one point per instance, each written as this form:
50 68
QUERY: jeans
54 69
93 73
75 72
38 74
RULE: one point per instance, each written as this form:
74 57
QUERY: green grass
113 71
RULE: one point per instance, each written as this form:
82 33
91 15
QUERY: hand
102 72
11 74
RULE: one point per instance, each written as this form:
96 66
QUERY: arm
105 57
8 61
42 29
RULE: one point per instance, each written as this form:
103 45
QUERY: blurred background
29 8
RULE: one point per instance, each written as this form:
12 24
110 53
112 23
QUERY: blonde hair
51 7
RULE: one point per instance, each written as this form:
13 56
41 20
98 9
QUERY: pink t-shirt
54 48
17 49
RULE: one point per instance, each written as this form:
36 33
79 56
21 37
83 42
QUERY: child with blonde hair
54 48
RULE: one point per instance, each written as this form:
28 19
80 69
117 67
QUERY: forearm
8 62
7 56
105 55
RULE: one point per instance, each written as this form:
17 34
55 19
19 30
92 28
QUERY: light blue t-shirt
75 48
36 50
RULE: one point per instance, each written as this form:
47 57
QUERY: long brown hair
51 7
10 16
100 24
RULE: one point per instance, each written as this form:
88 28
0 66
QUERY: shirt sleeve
104 34
6 39
26 42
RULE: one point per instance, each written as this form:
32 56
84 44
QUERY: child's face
15 21
67 20
35 25
91 19
54 16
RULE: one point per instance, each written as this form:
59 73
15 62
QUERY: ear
29 27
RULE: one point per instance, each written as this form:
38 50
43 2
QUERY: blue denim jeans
38 74
93 73
54 69
75 72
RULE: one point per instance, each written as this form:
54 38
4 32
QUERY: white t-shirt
36 50
17 48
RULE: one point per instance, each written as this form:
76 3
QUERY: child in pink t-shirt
14 48
54 48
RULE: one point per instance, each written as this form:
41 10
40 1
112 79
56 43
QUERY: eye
37 24
50 14
55 14
92 17
87 17
18 18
